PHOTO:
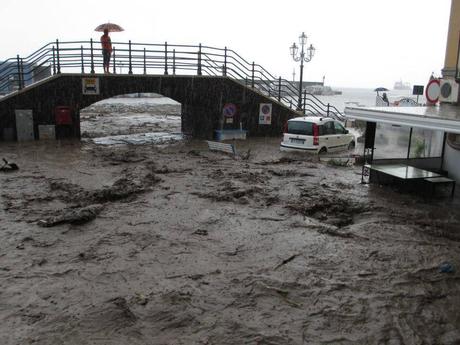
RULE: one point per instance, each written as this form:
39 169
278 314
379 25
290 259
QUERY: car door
329 138
341 137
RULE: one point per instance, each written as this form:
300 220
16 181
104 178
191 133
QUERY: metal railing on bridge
145 58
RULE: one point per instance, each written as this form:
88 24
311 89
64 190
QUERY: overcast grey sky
360 43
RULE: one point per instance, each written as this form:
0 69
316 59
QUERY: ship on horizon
400 85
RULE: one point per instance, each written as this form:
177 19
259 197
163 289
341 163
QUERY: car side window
339 128
329 128
322 132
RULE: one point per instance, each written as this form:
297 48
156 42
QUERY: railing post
130 71
92 56
328 110
145 66
166 58
19 72
304 100
225 62
252 81
199 59
23 84
114 61
54 60
82 60
58 59
279 89
174 61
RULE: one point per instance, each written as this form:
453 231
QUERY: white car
317 135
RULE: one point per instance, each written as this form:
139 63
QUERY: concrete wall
202 99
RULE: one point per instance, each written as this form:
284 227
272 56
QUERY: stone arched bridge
63 75
202 99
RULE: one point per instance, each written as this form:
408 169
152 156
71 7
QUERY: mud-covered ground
173 244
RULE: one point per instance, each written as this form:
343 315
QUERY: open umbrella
109 26
380 89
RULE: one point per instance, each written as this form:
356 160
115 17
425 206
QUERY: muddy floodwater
160 241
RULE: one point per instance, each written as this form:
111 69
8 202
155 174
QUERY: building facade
451 62
451 70
23 76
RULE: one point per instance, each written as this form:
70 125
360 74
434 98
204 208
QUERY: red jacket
106 43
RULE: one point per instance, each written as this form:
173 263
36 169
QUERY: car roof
314 119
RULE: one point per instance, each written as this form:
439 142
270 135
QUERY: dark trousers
106 56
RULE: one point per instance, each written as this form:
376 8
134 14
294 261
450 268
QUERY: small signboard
90 86
418 90
229 110
46 132
265 114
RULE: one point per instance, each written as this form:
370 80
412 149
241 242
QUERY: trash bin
64 122
63 115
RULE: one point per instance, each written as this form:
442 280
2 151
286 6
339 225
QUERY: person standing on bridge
106 43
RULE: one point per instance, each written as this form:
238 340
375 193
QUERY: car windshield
300 127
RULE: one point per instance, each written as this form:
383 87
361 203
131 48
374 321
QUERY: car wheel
322 151
351 145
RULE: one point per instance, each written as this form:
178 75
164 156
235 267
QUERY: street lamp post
305 56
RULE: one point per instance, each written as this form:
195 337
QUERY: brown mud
178 245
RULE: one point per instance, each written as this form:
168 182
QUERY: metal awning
445 117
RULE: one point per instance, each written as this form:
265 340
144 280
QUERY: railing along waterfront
147 58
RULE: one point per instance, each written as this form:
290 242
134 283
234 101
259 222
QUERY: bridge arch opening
134 118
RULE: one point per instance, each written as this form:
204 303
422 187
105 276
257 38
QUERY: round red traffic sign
266 109
433 90
229 110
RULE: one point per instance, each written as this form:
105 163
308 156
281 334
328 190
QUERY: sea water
353 97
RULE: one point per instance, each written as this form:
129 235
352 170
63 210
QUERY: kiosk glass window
391 141
426 143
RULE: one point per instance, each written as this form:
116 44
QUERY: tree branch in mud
73 216
289 259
